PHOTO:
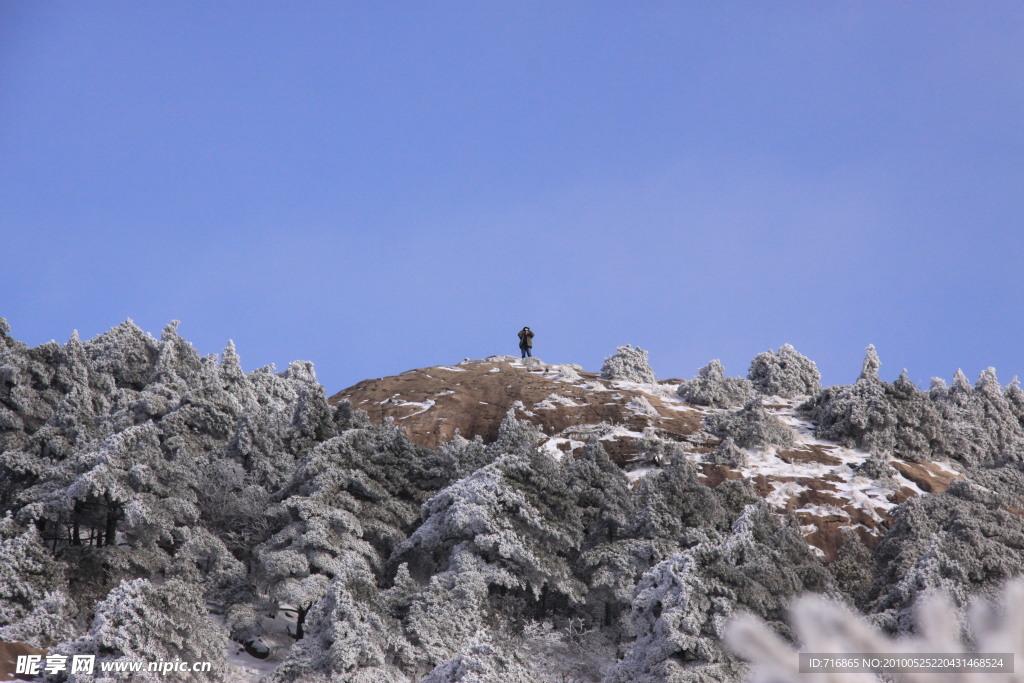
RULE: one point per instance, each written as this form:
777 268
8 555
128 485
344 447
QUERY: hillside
496 519
637 423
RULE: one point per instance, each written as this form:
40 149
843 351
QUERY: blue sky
382 186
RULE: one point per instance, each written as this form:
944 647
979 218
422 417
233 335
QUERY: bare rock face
568 404
823 484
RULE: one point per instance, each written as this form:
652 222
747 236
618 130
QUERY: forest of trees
144 487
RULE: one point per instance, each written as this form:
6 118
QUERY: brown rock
927 475
9 653
809 453
473 398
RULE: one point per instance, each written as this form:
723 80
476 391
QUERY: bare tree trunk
113 515
300 620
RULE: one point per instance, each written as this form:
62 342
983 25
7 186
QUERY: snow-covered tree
126 353
682 605
752 425
628 364
29 573
482 661
352 500
979 425
964 540
499 541
853 569
350 636
516 514
609 562
141 621
712 388
859 415
729 454
673 507
784 373
49 622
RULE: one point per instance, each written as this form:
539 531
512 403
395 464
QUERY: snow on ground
639 473
618 431
243 667
552 446
423 406
783 491
550 402
856 491
824 512
518 405
641 406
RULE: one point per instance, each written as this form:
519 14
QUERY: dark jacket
526 338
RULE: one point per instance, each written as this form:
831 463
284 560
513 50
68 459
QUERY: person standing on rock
526 341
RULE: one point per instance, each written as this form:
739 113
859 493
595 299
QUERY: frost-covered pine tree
608 562
628 364
466 456
350 501
29 576
853 569
481 661
141 621
785 373
517 514
858 415
126 487
978 425
751 426
296 565
729 454
351 636
672 507
965 540
682 605
445 616
49 622
981 424
498 542
125 352
712 388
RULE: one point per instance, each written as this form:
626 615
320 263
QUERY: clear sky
381 186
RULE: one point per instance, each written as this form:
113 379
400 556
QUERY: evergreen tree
712 388
628 364
29 573
608 563
350 636
751 426
963 541
784 373
140 621
682 605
